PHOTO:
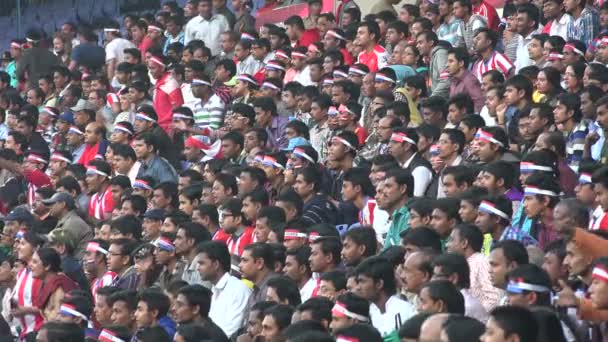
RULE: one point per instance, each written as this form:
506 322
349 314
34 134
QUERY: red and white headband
574 49
335 35
340 310
343 142
144 116
299 152
490 208
356 71
271 86
340 73
75 130
109 336
95 247
247 78
275 66
282 54
70 310
155 28
123 129
16 45
59 157
600 273
92 170
198 81
383 78
110 29
292 234
532 190
36 158
296 54
402 137
158 61
486 136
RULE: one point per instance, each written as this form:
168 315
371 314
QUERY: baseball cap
82 104
155 214
67 116
60 197
296 142
20 214
62 236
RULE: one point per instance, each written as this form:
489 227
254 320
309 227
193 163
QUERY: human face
576 262
116 261
602 117
441 223
393 192
121 315
601 195
416 220
352 253
450 187
534 205
535 50
454 66
143 316
103 312
411 275
423 45
159 200
270 328
498 268
151 229
493 333
186 205
318 261
248 266
363 37
367 287
598 292
426 304
207 268
467 212
554 267
183 311
409 56
37 268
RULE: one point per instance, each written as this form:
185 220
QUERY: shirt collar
221 284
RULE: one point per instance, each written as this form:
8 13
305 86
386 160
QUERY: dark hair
463 328
546 182
153 334
533 274
379 268
65 332
337 278
515 320
330 246
423 238
281 315
472 234
262 251
363 332
50 258
571 102
513 251
193 332
216 251
155 300
360 177
129 297
197 295
410 329
451 263
363 236
286 289
520 82
446 292
372 28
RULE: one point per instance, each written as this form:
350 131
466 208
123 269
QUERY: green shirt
11 70
398 225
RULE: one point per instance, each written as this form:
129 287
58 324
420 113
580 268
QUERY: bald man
95 143
417 270
431 328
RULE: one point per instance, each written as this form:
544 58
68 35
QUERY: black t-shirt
89 55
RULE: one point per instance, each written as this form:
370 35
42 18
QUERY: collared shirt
181 36
473 307
319 139
209 114
586 27
522 58
166 277
468 84
132 174
259 291
558 27
249 66
207 30
399 223
276 133
481 285
128 280
396 312
159 169
78 151
515 233
191 275
228 303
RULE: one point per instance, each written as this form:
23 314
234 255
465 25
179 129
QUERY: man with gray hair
63 207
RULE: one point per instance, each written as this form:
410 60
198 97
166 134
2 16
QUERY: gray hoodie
438 63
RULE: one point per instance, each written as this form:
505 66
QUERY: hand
501 109
507 34
437 163
591 139
566 297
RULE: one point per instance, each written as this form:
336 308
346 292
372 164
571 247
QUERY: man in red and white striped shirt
484 44
358 189
484 9
98 181
95 264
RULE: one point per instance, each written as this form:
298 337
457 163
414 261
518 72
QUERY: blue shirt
159 169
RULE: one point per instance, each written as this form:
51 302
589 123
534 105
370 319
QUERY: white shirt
381 223
473 307
522 57
440 192
207 30
560 27
132 174
397 311
308 288
422 177
303 77
115 49
228 303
